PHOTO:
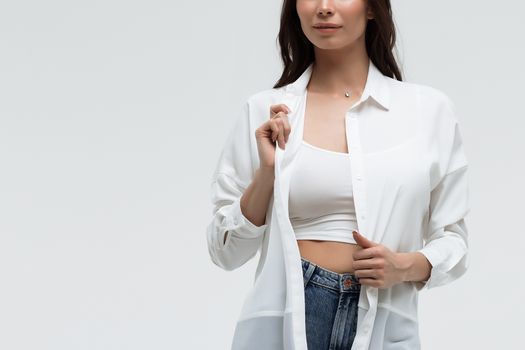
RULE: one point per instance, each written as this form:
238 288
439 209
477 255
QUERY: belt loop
309 272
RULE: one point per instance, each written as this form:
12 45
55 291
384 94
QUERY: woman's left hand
377 266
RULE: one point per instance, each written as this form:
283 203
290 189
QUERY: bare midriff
331 255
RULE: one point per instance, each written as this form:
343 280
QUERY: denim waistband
341 282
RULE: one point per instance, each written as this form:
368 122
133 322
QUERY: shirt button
235 221
362 217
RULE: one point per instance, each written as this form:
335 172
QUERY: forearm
416 267
256 197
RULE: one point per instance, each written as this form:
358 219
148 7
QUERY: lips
327 25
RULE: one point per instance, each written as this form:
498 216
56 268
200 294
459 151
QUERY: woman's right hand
277 128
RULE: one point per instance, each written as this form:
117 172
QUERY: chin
326 46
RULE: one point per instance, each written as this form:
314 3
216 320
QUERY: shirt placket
358 178
356 164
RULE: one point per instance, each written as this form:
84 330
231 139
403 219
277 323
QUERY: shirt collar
376 85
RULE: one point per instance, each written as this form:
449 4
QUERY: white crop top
321 203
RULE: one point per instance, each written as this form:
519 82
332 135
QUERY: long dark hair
297 52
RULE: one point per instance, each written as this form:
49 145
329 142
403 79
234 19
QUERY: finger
281 114
287 128
370 282
371 263
280 136
362 240
274 128
279 107
365 253
366 273
278 120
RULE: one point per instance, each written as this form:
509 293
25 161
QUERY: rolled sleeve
446 246
238 226
446 237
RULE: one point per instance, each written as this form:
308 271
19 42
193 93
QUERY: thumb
362 240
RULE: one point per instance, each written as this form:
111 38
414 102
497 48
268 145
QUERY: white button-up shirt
410 186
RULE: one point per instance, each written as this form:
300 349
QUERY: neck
335 72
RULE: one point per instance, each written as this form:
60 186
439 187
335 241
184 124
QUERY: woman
352 173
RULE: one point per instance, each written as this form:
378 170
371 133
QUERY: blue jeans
331 302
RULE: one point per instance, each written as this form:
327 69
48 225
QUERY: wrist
415 267
406 265
266 173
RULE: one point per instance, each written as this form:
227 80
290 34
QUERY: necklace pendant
347 94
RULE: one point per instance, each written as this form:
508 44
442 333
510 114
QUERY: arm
446 245
446 237
254 202
233 238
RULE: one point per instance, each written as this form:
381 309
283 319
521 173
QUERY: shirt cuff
239 226
420 284
437 260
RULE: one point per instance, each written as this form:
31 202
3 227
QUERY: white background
112 117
